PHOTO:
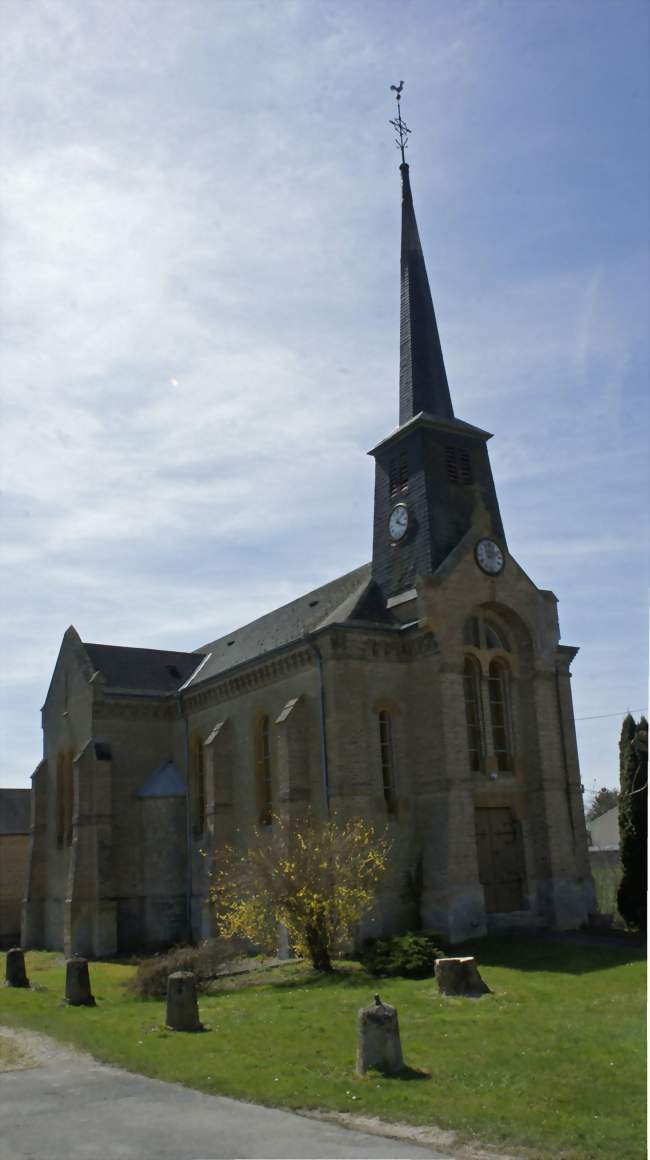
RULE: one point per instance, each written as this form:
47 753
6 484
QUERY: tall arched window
198 786
472 689
387 761
498 682
264 771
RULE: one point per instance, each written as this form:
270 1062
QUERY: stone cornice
342 641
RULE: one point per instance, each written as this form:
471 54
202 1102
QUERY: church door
500 860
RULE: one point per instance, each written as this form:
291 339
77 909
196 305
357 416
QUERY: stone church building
426 691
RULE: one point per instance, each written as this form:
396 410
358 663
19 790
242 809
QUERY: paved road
77 1109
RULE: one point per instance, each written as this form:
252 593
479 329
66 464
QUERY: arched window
484 634
263 771
387 761
472 690
198 786
498 682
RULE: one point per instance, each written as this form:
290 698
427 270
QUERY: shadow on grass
407 1074
576 953
339 977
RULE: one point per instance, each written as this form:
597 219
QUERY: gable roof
149 670
340 600
353 598
14 811
165 781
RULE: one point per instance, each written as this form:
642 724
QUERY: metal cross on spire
398 124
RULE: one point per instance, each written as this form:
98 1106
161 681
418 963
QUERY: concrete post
182 1008
15 974
378 1039
77 983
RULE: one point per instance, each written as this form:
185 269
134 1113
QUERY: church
426 691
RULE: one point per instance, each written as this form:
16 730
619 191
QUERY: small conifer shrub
411 956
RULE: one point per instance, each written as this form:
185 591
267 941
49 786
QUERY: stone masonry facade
423 692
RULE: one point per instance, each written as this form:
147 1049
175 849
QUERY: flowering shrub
316 878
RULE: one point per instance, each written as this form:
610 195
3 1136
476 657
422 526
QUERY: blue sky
200 254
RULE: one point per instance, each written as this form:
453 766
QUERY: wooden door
500 859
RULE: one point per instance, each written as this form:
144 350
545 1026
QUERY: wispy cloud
200 309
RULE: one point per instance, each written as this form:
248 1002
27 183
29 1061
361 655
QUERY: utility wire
600 716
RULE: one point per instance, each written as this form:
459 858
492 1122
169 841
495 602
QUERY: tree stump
15 973
182 1008
378 1040
460 977
77 983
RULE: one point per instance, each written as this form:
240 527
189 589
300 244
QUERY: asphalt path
74 1108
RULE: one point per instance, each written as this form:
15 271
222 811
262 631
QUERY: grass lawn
551 1064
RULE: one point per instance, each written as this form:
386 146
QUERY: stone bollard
460 977
77 983
15 974
182 1008
378 1041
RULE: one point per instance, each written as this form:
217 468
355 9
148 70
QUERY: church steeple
423 382
432 472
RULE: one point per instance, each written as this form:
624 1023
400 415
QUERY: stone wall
14 858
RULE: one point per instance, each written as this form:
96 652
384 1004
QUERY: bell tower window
398 473
459 465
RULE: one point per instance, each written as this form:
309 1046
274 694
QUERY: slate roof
166 781
343 599
142 669
349 598
14 811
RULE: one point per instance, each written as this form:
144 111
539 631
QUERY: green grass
551 1064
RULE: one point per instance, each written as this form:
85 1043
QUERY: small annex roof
166 781
14 811
338 601
144 670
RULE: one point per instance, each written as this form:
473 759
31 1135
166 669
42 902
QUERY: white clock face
489 557
398 522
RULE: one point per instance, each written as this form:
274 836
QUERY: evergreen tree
633 821
604 799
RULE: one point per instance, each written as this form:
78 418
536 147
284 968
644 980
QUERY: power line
600 716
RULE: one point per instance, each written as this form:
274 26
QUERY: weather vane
398 124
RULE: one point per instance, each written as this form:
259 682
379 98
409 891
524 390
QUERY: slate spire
422 377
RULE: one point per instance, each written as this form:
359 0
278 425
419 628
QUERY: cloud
201 244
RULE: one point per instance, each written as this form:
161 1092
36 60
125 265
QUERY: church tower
433 470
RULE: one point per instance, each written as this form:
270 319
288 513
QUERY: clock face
489 557
398 522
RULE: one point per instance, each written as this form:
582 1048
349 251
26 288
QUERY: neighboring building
604 850
602 832
14 856
426 691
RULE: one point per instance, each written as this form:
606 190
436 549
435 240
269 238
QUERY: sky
199 304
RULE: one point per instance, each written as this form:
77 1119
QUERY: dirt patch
30 1049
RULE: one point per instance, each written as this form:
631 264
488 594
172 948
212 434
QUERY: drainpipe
323 728
188 819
